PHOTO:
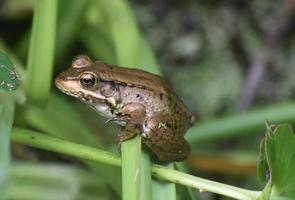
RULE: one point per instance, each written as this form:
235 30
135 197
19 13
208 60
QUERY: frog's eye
88 79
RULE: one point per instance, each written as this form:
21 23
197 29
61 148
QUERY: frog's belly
105 111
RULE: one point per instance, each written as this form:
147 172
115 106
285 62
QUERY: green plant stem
6 119
41 52
203 185
131 157
145 178
42 141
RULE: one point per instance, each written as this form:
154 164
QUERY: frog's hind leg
166 144
168 156
171 151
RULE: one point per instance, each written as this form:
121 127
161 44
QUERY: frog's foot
128 132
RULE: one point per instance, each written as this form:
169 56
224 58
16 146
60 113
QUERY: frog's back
136 77
144 80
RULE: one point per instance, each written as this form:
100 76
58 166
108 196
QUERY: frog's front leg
133 115
127 132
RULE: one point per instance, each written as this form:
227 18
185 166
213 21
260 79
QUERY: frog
139 101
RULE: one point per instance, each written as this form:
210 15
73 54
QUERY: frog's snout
61 80
58 80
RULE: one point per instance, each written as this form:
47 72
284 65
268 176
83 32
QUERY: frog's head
82 81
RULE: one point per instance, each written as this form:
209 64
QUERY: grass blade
41 53
97 43
123 25
241 124
70 17
6 119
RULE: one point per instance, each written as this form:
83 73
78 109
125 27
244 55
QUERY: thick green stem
131 156
42 141
41 53
145 177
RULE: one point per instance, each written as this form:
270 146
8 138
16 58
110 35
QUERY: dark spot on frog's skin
161 96
32 137
168 125
139 97
170 98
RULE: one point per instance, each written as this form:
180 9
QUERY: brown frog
139 101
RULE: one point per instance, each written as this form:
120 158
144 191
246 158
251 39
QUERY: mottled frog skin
139 101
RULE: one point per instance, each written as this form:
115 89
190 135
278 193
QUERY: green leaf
279 154
8 78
